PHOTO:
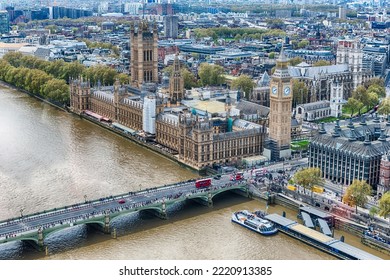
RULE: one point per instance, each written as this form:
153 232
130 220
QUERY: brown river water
50 158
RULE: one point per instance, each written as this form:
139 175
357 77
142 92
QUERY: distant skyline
93 4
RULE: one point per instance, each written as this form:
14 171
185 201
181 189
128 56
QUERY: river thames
50 158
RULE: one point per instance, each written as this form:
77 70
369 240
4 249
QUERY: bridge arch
27 239
243 188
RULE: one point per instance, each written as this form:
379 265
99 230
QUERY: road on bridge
83 211
71 214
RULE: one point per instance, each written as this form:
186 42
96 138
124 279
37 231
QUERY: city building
350 52
197 137
312 56
352 152
375 59
176 84
313 111
133 8
320 80
144 55
260 94
120 104
324 108
342 12
164 9
384 175
4 22
202 140
279 138
171 26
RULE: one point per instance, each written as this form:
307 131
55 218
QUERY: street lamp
85 198
21 212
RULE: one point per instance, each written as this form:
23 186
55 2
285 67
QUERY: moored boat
253 222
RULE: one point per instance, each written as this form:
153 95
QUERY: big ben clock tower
279 138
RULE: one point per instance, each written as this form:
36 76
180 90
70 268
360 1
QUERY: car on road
121 201
217 177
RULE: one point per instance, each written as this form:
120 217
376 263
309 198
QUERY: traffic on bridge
35 226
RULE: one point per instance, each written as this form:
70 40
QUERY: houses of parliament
229 133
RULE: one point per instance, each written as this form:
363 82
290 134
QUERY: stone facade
176 83
198 143
314 111
384 175
144 54
116 103
319 80
278 145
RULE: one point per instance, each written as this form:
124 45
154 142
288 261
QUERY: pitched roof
312 72
250 108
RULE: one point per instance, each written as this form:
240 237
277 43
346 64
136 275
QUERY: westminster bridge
100 213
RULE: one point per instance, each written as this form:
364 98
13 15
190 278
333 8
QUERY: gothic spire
176 64
282 57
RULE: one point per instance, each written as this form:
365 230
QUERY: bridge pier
204 201
38 244
40 239
209 200
106 227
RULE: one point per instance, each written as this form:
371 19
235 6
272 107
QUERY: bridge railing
94 214
89 202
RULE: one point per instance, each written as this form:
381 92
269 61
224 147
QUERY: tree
275 24
55 68
20 77
384 205
300 93
52 28
353 105
295 61
245 83
271 55
379 90
372 99
321 63
123 78
38 79
308 178
100 73
373 211
13 58
303 44
361 94
384 107
189 78
357 193
72 70
211 74
294 44
374 81
57 90
4 68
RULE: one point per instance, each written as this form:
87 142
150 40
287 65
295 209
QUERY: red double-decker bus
203 183
237 176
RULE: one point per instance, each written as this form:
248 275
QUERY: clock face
274 90
287 91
